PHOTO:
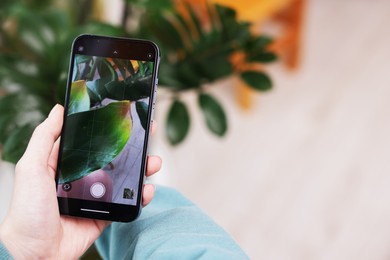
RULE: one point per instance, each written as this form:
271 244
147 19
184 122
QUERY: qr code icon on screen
128 193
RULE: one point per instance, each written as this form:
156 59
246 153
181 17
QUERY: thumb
44 137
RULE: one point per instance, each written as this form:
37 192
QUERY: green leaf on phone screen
93 139
130 89
178 122
80 59
79 98
96 88
214 114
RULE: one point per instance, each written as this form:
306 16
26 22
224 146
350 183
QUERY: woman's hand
33 228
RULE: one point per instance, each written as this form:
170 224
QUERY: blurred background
287 147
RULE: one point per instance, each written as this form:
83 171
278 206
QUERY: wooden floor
306 174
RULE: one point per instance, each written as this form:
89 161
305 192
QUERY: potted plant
199 45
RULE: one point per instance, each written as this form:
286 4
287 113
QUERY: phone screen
105 128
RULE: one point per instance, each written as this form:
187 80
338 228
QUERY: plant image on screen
99 122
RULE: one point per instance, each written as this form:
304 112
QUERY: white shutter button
98 190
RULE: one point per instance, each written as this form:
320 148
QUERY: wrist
16 246
6 242
4 253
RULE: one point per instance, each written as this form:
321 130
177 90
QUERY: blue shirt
171 227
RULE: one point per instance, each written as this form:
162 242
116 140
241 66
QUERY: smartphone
109 106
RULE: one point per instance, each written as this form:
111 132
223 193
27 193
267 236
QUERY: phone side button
152 116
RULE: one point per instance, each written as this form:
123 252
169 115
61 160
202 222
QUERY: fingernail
53 110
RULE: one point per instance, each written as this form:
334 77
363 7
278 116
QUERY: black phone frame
114 47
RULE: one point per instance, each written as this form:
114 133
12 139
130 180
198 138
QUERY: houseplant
198 43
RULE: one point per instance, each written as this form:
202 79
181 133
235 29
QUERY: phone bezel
123 48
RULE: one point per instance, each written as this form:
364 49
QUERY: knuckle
39 128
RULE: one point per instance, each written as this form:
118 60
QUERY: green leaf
122 65
9 103
16 143
28 83
259 43
162 30
263 57
141 69
80 59
178 122
196 21
214 114
188 75
97 88
19 103
142 111
106 69
216 67
233 30
93 139
226 13
79 99
19 109
150 67
257 80
168 76
152 5
7 125
132 89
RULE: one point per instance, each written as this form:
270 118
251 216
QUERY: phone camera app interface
105 129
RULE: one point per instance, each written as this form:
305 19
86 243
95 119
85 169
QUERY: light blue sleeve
171 227
4 254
